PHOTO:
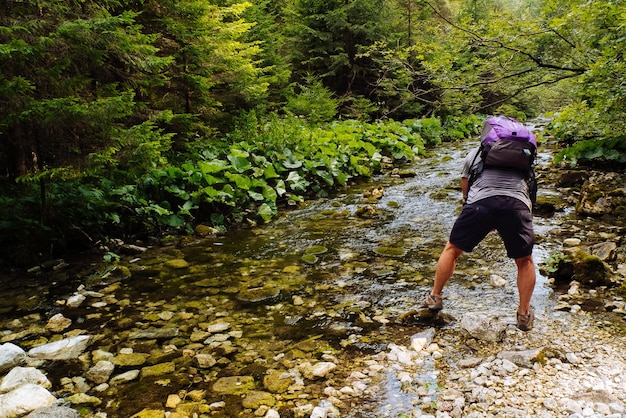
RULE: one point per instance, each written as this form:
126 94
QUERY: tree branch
485 42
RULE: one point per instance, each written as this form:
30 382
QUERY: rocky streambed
307 317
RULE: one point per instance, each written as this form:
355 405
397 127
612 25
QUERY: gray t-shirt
495 182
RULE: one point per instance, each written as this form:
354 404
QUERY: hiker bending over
498 194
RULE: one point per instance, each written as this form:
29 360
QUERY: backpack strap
475 170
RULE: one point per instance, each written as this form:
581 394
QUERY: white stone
10 356
75 300
20 376
497 281
101 371
571 242
218 327
124 377
24 399
69 348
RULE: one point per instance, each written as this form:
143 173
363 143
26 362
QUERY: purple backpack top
507 143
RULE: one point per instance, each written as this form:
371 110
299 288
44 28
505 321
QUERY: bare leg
525 282
445 267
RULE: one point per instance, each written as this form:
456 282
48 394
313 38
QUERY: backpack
508 144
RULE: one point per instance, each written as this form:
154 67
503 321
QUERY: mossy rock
205 230
177 264
258 294
278 381
158 370
234 385
390 251
256 398
589 270
439 195
316 249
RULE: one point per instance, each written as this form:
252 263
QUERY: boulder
66 349
483 327
24 400
20 376
10 356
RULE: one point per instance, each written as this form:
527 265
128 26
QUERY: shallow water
321 274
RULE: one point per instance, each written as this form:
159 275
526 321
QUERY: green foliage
590 137
461 127
430 129
312 101
554 261
131 118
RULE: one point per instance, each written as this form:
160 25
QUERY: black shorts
509 216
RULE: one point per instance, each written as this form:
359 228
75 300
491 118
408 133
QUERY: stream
296 310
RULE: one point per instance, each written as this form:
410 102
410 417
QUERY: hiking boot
432 302
525 322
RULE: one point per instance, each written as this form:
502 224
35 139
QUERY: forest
128 119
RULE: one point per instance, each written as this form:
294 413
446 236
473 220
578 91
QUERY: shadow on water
329 277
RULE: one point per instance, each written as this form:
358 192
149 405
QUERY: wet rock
317 370
325 409
124 377
374 193
10 355
25 399
256 398
572 178
587 269
158 370
524 358
469 362
154 333
205 360
75 300
100 372
205 230
130 359
58 323
234 385
316 249
149 413
390 251
483 328
602 194
66 349
605 251
131 249
219 326
497 281
54 412
83 399
23 375
258 294
177 264
366 211
278 381
571 242
422 340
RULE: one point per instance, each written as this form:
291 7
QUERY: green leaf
270 172
240 164
174 221
266 212
255 195
280 188
242 182
212 167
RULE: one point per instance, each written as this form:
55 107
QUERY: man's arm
464 188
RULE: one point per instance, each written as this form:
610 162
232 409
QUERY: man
499 199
